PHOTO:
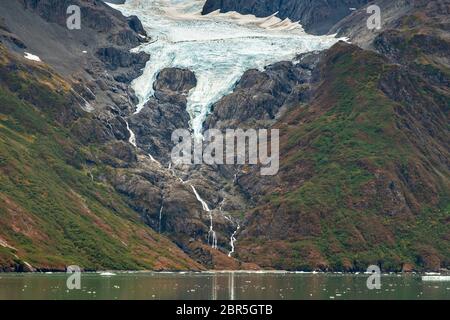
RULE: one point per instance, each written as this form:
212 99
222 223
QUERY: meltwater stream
217 47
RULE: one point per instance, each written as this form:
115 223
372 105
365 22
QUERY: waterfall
233 235
132 139
212 237
154 160
160 216
219 48
87 106
174 173
204 204
233 241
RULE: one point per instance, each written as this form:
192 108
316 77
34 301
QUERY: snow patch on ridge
31 57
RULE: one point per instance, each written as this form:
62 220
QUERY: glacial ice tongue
217 47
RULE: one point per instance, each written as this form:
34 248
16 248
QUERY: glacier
218 48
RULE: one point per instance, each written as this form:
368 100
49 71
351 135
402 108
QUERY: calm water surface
227 286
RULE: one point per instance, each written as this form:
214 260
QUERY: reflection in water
231 285
214 286
219 286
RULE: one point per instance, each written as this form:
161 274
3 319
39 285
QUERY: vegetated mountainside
53 212
316 16
364 175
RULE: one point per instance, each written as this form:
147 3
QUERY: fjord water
220 285
218 48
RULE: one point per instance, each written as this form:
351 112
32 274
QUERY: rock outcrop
317 17
261 97
164 114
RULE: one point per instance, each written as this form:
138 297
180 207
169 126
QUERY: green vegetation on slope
52 214
366 180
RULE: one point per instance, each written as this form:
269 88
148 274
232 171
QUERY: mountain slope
53 213
364 174
97 67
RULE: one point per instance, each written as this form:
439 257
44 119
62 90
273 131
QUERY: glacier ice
218 48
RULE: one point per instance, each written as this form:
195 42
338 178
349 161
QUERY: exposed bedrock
262 97
164 114
316 16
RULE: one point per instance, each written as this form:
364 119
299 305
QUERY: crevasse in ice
217 47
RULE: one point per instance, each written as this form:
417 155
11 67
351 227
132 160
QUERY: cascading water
132 139
212 237
204 204
218 48
154 160
160 217
233 241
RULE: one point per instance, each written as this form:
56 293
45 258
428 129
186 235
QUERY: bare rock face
154 126
317 17
263 96
136 25
81 56
117 59
165 113
175 80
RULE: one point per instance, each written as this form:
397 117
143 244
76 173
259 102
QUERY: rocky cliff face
317 17
96 59
260 96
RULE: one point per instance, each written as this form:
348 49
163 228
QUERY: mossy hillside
338 214
51 211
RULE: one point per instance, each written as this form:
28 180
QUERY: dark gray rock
115 58
81 56
164 114
175 80
316 16
260 96
136 25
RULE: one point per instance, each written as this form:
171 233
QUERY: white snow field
217 47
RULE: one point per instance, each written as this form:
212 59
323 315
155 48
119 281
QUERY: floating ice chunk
435 278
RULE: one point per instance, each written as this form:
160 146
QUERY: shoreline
107 273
